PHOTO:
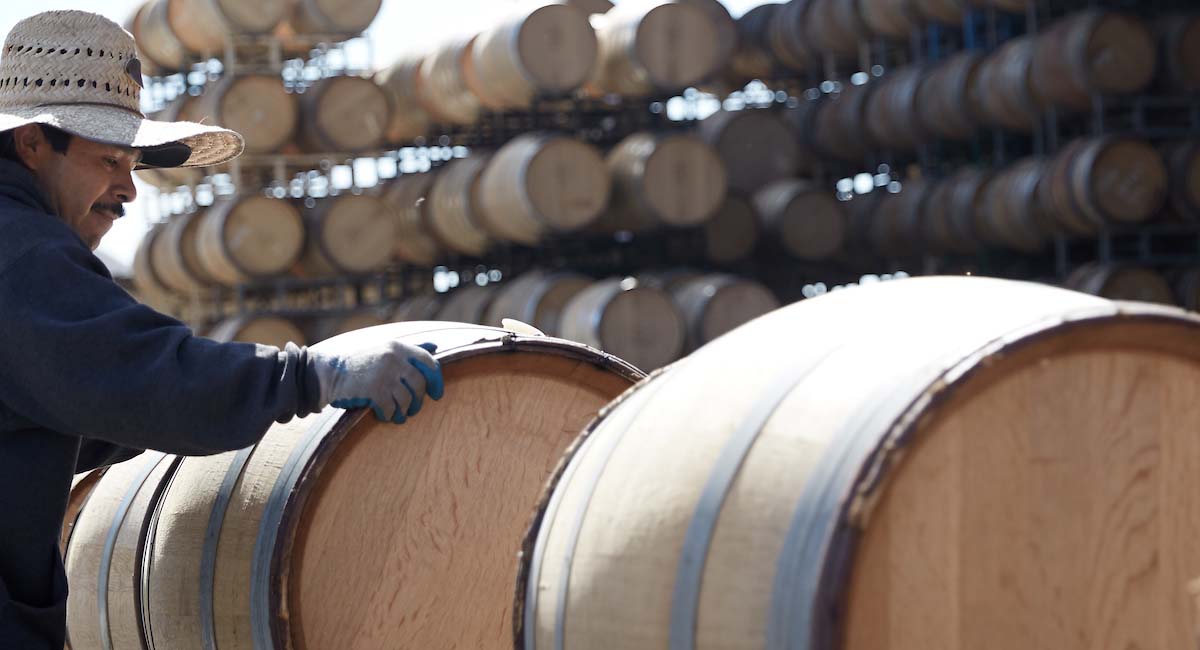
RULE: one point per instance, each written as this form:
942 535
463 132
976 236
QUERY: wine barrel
651 46
753 59
861 213
945 105
591 7
257 106
716 303
898 227
266 329
833 27
1187 288
947 12
663 179
293 523
539 183
423 306
891 110
955 220
889 18
405 197
344 18
727 30
756 147
828 495
1183 169
176 255
1093 51
1179 35
806 219
1106 179
401 82
467 304
81 488
1011 207
204 26
452 212
248 237
348 234
327 327
1121 282
157 41
548 50
184 108
732 233
638 324
836 123
149 288
132 25
442 84
343 114
1003 91
787 41
536 298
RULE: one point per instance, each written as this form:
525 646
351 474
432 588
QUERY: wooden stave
900 225
891 110
371 117
945 105
697 300
442 84
450 213
371 249
756 147
786 39
1086 180
219 263
587 318
156 40
1183 168
310 17
622 36
732 234
833 27
1060 75
774 203
728 38
633 208
204 27
410 119
536 298
753 59
648 610
1178 35
1012 206
888 18
246 328
837 123
467 304
174 266
150 289
262 134
406 197
1003 91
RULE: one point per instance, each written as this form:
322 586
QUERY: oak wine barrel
1179 38
406 197
257 106
1106 179
283 544
1093 51
157 41
467 303
836 124
204 26
149 288
348 233
249 237
423 306
548 50
671 179
945 105
888 18
657 45
1012 209
452 207
326 327
536 298
716 303
947 12
787 41
1003 90
805 218
176 254
81 488
266 329
832 27
891 110
1183 169
756 147
1121 282
873 490
959 225
344 18
539 183
862 210
638 324
898 227
733 231
401 82
1187 288
132 25
343 114
442 84
727 30
753 58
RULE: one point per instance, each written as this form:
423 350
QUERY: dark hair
59 141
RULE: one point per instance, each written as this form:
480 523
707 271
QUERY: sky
402 26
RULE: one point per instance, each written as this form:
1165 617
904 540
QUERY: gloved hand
391 377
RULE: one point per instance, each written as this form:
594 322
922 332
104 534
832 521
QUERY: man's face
87 186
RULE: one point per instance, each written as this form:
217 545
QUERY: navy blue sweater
89 377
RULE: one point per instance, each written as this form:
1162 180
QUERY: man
87 375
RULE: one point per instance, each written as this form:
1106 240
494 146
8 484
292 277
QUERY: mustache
115 208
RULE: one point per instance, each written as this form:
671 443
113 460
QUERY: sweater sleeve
81 356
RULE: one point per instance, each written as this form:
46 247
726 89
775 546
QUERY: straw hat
79 72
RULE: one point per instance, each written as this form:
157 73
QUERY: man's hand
391 377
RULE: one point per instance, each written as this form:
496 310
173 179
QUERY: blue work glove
391 377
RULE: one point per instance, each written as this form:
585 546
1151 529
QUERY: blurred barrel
716 303
945 105
753 58
548 50
423 306
249 237
806 219
861 212
897 227
947 12
1187 288
266 329
442 84
953 222
836 126
343 114
327 327
176 255
756 147
891 110
204 26
787 41
157 41
257 106
1121 282
150 289
727 30
341 18
406 198
1003 90
830 26
539 183
400 81
590 7
651 46
1012 209
732 233
889 18
1179 36
536 298
348 234
1107 179
638 324
452 207
1183 168
663 179
467 304
1093 51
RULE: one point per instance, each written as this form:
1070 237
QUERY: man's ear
31 145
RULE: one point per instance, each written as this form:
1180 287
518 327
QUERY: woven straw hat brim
114 125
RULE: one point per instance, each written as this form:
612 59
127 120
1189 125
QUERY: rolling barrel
727 29
922 477
204 26
657 45
663 179
639 324
891 110
452 207
539 183
1121 282
1003 91
406 198
717 303
249 237
547 51
733 231
348 234
343 114
755 146
536 298
262 328
401 82
1094 51
805 219
257 106
1107 179
176 255
945 105
284 544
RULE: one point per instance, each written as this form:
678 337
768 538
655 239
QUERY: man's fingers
416 397
434 386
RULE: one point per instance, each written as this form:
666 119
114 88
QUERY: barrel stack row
765 492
